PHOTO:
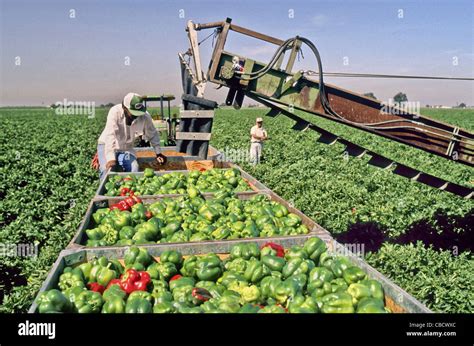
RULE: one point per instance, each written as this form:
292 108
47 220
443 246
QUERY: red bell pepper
280 250
201 294
176 277
114 282
122 206
134 280
148 215
130 201
95 287
125 191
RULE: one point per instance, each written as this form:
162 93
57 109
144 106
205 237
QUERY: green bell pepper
371 305
249 309
255 271
297 266
165 307
326 288
173 257
237 265
95 233
142 295
318 276
181 282
229 277
138 306
286 290
53 301
105 275
209 267
189 266
158 286
229 302
163 296
135 255
86 270
114 291
338 285
274 263
300 280
127 232
162 271
71 278
358 291
73 292
216 290
296 252
353 274
272 309
114 305
314 247
245 251
89 302
376 289
338 265
339 302
301 304
268 286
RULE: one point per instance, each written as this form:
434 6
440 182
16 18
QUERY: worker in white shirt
126 122
258 135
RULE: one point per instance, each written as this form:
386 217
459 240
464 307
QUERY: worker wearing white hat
257 136
126 122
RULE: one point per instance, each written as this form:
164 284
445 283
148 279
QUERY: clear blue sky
82 58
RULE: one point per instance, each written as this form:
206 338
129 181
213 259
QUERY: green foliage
46 185
441 280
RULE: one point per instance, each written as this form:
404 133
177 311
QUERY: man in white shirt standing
258 134
126 122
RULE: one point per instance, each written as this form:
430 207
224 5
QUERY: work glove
161 159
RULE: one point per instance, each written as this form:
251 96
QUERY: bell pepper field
419 237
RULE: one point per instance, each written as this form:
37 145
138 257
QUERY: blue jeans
127 161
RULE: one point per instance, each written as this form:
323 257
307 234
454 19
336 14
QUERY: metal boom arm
281 89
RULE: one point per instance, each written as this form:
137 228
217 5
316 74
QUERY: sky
100 50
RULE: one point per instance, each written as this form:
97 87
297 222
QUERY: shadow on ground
443 232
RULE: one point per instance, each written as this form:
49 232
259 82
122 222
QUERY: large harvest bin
80 238
254 184
396 299
146 157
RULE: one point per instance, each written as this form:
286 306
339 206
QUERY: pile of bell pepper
191 218
251 279
212 180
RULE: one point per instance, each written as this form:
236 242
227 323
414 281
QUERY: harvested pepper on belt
134 280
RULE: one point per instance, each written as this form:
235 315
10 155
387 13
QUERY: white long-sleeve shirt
118 136
257 131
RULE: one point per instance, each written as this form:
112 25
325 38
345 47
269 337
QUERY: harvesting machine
285 91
